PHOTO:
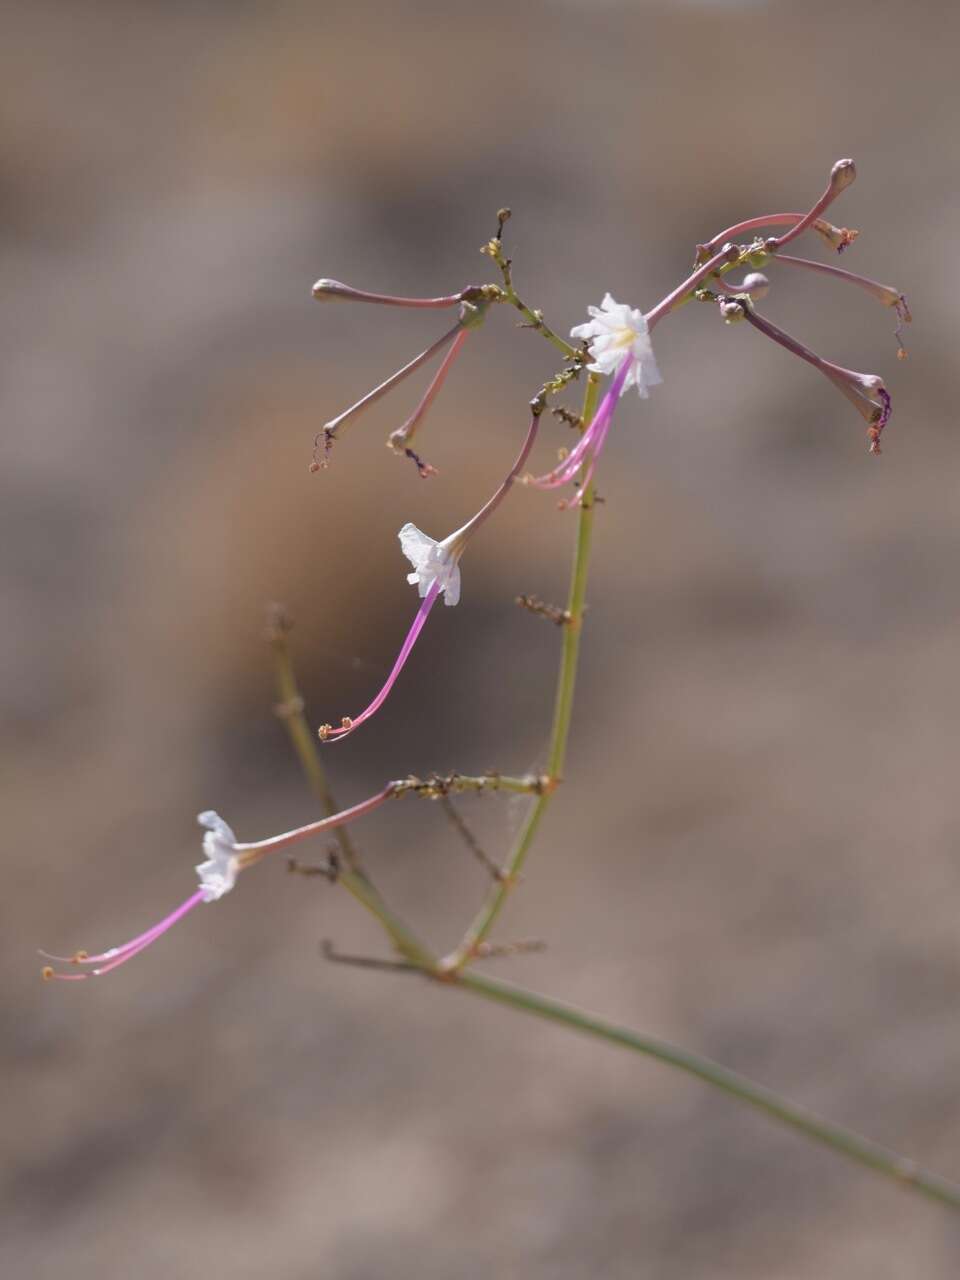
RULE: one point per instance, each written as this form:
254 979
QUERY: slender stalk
252 851
684 291
403 938
885 293
291 711
335 290
352 877
563 709
533 319
401 438
333 426
748 224
843 1141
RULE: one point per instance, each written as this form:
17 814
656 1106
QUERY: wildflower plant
608 355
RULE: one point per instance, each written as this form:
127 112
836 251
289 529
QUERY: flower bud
330 290
842 175
756 285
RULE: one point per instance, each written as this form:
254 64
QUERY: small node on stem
472 314
568 416
503 217
553 613
329 871
288 710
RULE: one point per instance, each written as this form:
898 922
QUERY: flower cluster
615 343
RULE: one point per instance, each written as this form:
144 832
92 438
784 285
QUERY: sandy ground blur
756 850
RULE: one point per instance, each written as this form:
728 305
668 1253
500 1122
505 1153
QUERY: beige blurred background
756 853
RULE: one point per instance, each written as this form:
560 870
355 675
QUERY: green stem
563 709
535 320
352 877
358 884
291 711
437 785
843 1141
509 295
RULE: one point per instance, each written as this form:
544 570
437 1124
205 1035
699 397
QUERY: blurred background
755 853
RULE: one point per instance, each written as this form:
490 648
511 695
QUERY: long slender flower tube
335 291
472 301
328 433
435 572
399 440
619 344
865 391
225 859
217 874
887 294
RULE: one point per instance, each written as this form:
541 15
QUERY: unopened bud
329 290
842 175
756 285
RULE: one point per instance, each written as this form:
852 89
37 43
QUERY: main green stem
843 1141
563 710
352 877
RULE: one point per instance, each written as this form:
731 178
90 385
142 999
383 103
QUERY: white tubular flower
218 874
433 561
617 332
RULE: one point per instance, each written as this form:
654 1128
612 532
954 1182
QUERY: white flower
218 874
614 333
433 561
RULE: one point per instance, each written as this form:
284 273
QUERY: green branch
563 709
843 1141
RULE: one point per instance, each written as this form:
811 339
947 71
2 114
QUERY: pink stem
727 254
884 293
395 378
876 412
253 852
401 437
752 224
841 176
429 601
335 290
